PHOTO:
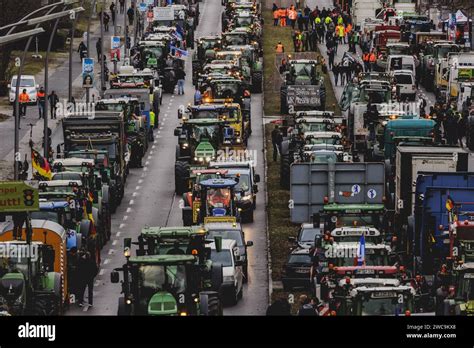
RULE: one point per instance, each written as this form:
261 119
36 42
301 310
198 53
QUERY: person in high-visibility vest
372 59
292 16
24 99
365 59
41 98
279 48
152 125
341 35
276 17
283 14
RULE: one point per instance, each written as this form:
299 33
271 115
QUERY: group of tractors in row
195 269
385 206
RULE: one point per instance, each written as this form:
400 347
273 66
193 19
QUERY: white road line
159 133
101 273
147 163
125 218
134 194
114 242
151 152
153 146
86 308
161 127
106 261
111 251
121 226
159 136
132 202
140 181
118 234
137 187
129 210
143 175
97 282
149 157
145 169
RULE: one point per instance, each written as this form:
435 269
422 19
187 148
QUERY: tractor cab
302 72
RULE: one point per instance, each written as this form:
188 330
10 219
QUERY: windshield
67 176
163 278
98 158
359 220
110 148
228 234
109 107
315 127
152 52
329 157
309 234
243 184
224 257
215 114
328 141
243 21
218 197
377 97
442 52
382 306
46 215
240 39
300 259
130 79
467 287
404 79
24 82
301 69
226 90
201 132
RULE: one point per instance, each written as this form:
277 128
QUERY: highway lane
150 201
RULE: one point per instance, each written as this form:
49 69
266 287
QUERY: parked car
27 82
306 236
296 271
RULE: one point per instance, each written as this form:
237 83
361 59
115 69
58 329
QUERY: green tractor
29 286
463 301
205 52
179 282
198 143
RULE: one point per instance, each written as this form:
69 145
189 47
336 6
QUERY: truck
411 160
461 71
462 303
430 57
364 9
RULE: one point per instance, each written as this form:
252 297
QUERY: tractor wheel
257 80
283 102
285 172
470 133
181 173
209 303
46 306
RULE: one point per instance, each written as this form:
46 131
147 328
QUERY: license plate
301 270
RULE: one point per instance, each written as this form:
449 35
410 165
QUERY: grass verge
279 225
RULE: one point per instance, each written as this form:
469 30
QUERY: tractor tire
181 173
257 81
248 216
210 303
46 306
216 277
285 172
470 133
187 216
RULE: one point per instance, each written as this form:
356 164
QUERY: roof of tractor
175 232
162 259
354 208
355 231
371 282
383 291
203 121
74 161
60 183
220 106
221 226
47 206
218 183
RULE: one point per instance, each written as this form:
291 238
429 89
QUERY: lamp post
73 31
89 44
101 60
72 15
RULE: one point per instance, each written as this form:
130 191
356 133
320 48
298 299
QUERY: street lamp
72 15
21 35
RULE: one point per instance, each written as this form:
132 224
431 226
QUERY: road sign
163 13
88 72
114 42
142 7
150 2
307 95
19 196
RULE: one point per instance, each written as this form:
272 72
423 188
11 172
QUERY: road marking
97 282
143 175
166 115
121 226
132 202
147 163
118 234
137 187
162 123
151 152
140 181
145 169
101 273
106 261
134 194
114 242
161 127
149 157
159 136
125 218
129 210
111 251
169 108
153 146
86 308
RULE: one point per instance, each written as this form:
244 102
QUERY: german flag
40 165
449 204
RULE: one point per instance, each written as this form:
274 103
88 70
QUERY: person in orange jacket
292 16
276 17
24 99
283 15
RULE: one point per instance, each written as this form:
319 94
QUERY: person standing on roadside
53 101
24 99
112 12
180 76
41 98
86 271
277 139
122 6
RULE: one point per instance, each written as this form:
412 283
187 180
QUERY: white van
405 84
232 288
400 62
27 82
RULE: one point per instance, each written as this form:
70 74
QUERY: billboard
19 196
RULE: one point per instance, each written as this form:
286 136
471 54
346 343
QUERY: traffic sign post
19 196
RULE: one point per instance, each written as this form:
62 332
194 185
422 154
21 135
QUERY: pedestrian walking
53 104
336 69
112 12
98 47
331 53
197 96
180 76
41 98
277 139
306 307
130 14
122 6
87 270
276 16
24 99
279 48
105 20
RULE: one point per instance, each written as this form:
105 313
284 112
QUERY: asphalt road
150 200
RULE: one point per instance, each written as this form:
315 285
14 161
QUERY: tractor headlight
201 159
128 301
238 140
195 158
185 145
208 159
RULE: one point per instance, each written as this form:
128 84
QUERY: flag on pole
361 251
178 52
40 165
449 204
